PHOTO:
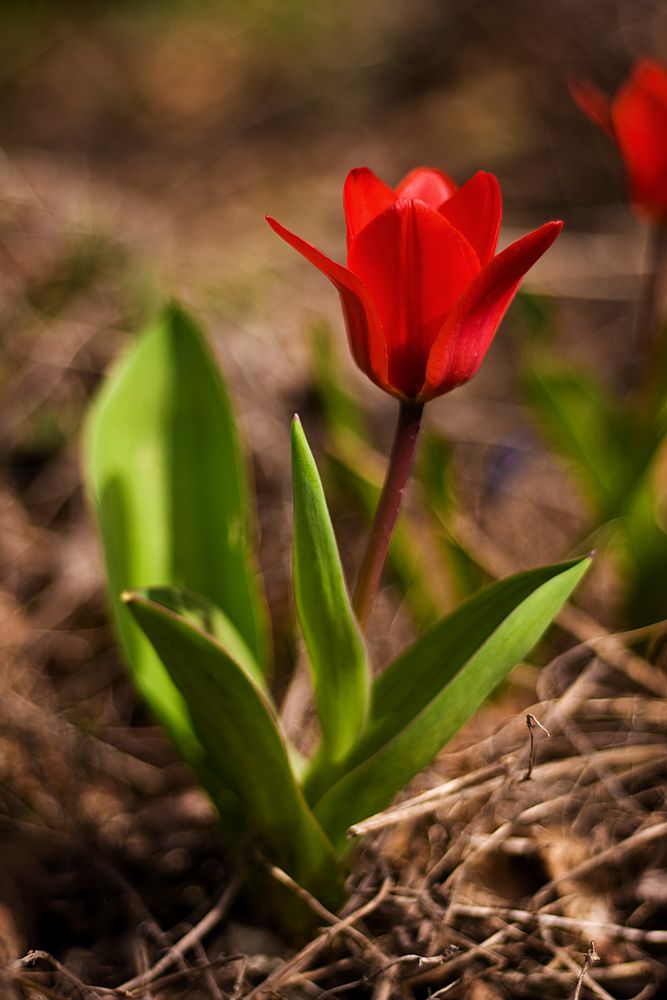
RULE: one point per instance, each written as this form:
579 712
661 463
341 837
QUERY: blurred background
141 144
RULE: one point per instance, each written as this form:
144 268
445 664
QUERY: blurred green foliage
612 443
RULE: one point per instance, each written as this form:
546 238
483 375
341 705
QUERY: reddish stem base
398 471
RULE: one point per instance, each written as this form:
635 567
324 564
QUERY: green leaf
210 619
330 630
588 429
169 486
236 725
426 695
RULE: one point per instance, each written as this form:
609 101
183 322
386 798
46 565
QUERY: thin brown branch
590 957
282 975
532 722
635 934
188 941
321 911
435 798
612 854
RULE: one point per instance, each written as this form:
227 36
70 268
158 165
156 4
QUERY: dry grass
486 885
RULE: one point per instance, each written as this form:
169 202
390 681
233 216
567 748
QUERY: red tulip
636 119
423 293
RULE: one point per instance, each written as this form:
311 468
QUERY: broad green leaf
427 694
210 619
238 730
335 647
417 676
588 429
169 486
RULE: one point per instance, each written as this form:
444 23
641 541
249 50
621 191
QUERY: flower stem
398 471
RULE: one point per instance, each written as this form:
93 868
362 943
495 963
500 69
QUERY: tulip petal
594 104
364 197
364 332
427 184
415 265
467 332
475 210
639 114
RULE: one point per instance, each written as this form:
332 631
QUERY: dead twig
82 990
612 854
634 934
485 780
427 801
187 942
343 988
331 918
282 975
590 957
532 723
189 972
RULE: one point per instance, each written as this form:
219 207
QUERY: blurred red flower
423 293
636 119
